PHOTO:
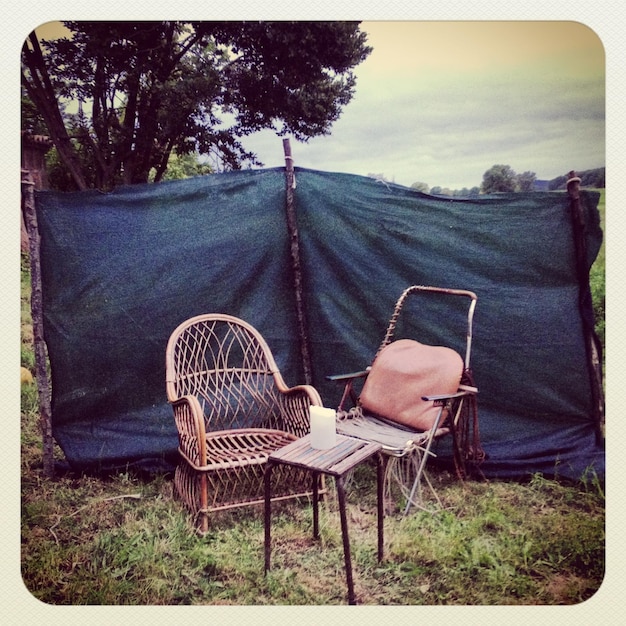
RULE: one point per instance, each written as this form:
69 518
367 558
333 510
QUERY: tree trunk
42 94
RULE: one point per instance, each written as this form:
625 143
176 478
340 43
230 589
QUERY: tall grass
125 540
597 280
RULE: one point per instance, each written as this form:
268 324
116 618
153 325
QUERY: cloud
442 102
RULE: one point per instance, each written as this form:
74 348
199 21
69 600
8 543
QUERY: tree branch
40 90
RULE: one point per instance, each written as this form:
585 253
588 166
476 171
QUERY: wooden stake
292 225
593 352
36 307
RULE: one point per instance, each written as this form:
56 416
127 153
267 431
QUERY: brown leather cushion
402 373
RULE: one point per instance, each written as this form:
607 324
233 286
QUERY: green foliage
418 186
526 181
597 278
474 192
514 182
499 178
184 166
595 178
146 89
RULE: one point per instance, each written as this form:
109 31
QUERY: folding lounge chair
412 395
232 410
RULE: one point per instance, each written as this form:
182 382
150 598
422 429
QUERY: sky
441 102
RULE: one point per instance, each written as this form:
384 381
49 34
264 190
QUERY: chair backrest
404 370
228 366
423 289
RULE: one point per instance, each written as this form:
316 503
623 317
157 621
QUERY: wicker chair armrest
240 447
190 401
304 390
189 419
293 407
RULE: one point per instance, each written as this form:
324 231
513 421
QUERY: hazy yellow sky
470 46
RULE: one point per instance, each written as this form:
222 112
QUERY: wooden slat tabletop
336 461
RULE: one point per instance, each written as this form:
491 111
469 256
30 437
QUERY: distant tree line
595 178
502 178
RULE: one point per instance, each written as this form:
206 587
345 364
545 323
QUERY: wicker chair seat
229 449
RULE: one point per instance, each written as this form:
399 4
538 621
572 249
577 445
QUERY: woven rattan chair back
227 365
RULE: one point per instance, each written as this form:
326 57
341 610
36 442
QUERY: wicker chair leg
204 499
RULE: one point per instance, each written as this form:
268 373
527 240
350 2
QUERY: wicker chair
232 409
453 410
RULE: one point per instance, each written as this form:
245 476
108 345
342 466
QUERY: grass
597 281
129 541
125 540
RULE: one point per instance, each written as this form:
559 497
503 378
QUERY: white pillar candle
322 427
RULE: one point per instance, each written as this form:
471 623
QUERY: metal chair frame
399 442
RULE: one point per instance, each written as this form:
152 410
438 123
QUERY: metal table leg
380 481
341 496
316 499
342 459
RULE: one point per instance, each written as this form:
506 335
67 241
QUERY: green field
597 275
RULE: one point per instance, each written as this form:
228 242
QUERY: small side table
337 461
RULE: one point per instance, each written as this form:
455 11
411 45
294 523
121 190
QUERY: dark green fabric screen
122 270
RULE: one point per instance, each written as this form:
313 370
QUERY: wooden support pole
591 342
292 225
36 307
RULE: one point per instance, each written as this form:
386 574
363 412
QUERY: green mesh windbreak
122 270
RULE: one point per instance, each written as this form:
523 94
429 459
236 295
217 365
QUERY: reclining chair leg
420 471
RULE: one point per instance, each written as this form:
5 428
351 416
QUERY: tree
423 187
148 89
499 178
526 181
185 166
